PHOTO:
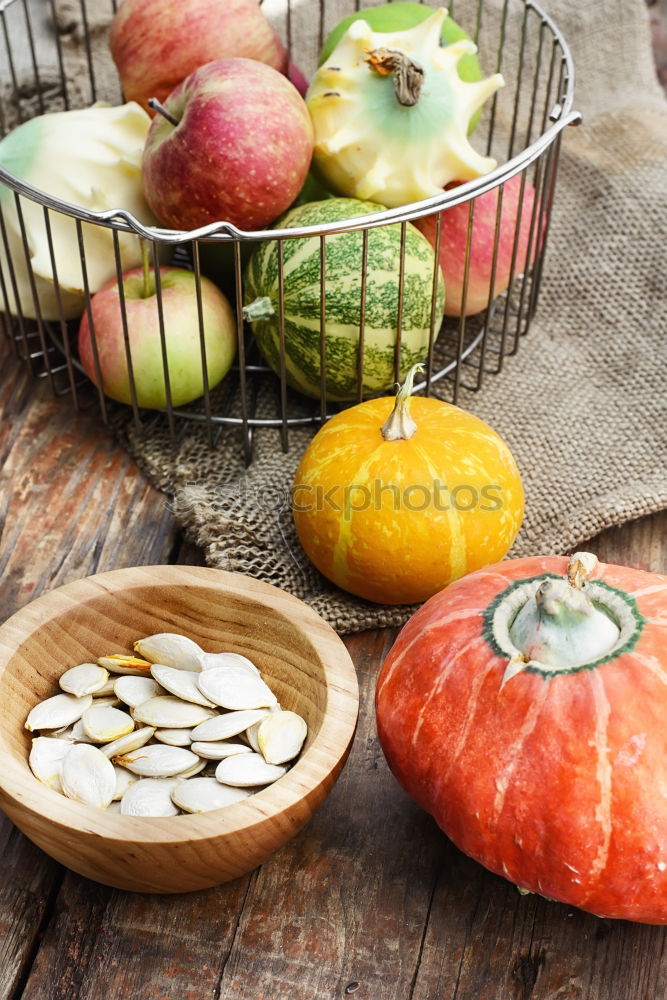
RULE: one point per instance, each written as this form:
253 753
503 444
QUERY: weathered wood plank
71 503
346 901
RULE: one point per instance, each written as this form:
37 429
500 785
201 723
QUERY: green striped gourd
343 301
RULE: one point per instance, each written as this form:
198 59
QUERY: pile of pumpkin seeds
171 730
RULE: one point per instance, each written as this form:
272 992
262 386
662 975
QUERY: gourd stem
560 625
408 75
259 309
399 425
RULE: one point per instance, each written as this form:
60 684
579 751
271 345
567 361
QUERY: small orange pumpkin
394 499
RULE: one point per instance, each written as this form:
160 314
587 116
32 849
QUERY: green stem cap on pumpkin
560 626
399 425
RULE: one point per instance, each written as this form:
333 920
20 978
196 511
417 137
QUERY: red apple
181 325
155 45
453 237
239 153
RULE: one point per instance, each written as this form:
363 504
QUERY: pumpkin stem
560 626
409 76
399 425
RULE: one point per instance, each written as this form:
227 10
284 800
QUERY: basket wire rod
515 253
114 6
6 312
10 63
89 52
545 220
323 330
362 317
33 56
288 28
320 28
33 289
400 305
492 286
196 266
126 331
499 64
59 52
284 440
62 323
536 84
518 89
163 341
478 21
18 308
464 301
436 315
91 322
548 93
240 340
531 261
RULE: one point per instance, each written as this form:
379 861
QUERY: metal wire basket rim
225 232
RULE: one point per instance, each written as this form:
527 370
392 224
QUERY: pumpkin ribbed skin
388 552
558 782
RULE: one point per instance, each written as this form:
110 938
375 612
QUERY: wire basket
521 127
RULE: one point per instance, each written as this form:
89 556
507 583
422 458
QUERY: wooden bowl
299 655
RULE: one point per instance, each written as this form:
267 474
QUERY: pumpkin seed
211 660
168 712
110 701
79 734
157 761
66 733
149 797
204 794
88 776
107 690
60 710
170 649
134 691
124 779
174 737
103 724
121 663
247 771
235 688
181 683
46 758
280 736
251 736
87 678
195 769
129 742
221 727
218 750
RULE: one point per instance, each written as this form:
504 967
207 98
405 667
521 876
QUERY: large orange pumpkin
393 499
528 714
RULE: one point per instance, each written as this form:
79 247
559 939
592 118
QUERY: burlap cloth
582 404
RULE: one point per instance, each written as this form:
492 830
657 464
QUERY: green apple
182 337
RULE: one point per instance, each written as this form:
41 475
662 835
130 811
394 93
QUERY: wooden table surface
369 900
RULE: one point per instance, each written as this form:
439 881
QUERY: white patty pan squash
90 158
391 114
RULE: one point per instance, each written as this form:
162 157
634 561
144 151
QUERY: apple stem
161 110
146 264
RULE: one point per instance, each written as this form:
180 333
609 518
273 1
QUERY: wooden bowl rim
314 768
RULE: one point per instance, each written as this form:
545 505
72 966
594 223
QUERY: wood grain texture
369 893
300 656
